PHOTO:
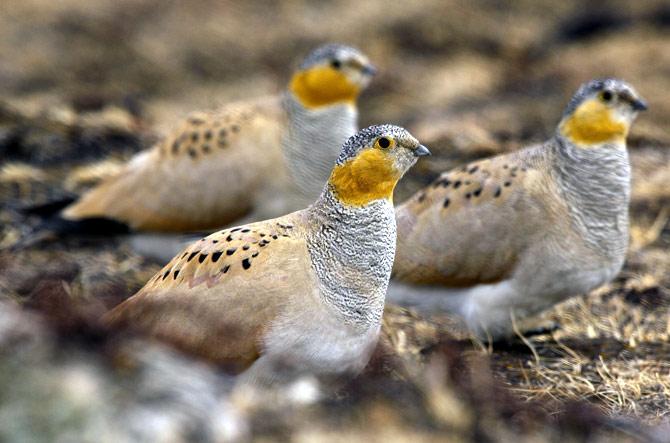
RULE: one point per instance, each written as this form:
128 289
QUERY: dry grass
612 352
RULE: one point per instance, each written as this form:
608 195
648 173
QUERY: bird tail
58 228
46 210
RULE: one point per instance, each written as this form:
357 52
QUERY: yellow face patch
370 176
593 123
323 85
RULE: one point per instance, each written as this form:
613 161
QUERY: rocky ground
86 84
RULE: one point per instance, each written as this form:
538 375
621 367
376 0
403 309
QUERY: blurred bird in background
259 158
518 233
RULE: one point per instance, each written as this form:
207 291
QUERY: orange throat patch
592 123
370 176
321 86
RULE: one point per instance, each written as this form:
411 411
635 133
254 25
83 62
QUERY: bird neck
596 183
313 142
369 176
593 124
352 250
323 86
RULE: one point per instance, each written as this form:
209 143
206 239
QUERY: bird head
601 112
331 74
371 163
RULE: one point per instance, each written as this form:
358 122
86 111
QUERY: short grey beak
370 70
639 104
421 151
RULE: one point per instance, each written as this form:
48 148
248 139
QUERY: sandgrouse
299 293
268 156
517 233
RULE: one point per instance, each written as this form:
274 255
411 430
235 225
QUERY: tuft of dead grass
609 350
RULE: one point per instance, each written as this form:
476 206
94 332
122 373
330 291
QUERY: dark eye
606 96
336 64
384 142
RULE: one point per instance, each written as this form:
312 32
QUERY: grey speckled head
618 89
337 55
366 138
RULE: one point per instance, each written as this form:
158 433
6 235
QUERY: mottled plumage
203 175
522 231
300 293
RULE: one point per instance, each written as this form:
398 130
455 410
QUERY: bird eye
335 64
383 143
606 96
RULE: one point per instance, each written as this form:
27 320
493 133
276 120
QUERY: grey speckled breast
352 251
596 182
312 143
